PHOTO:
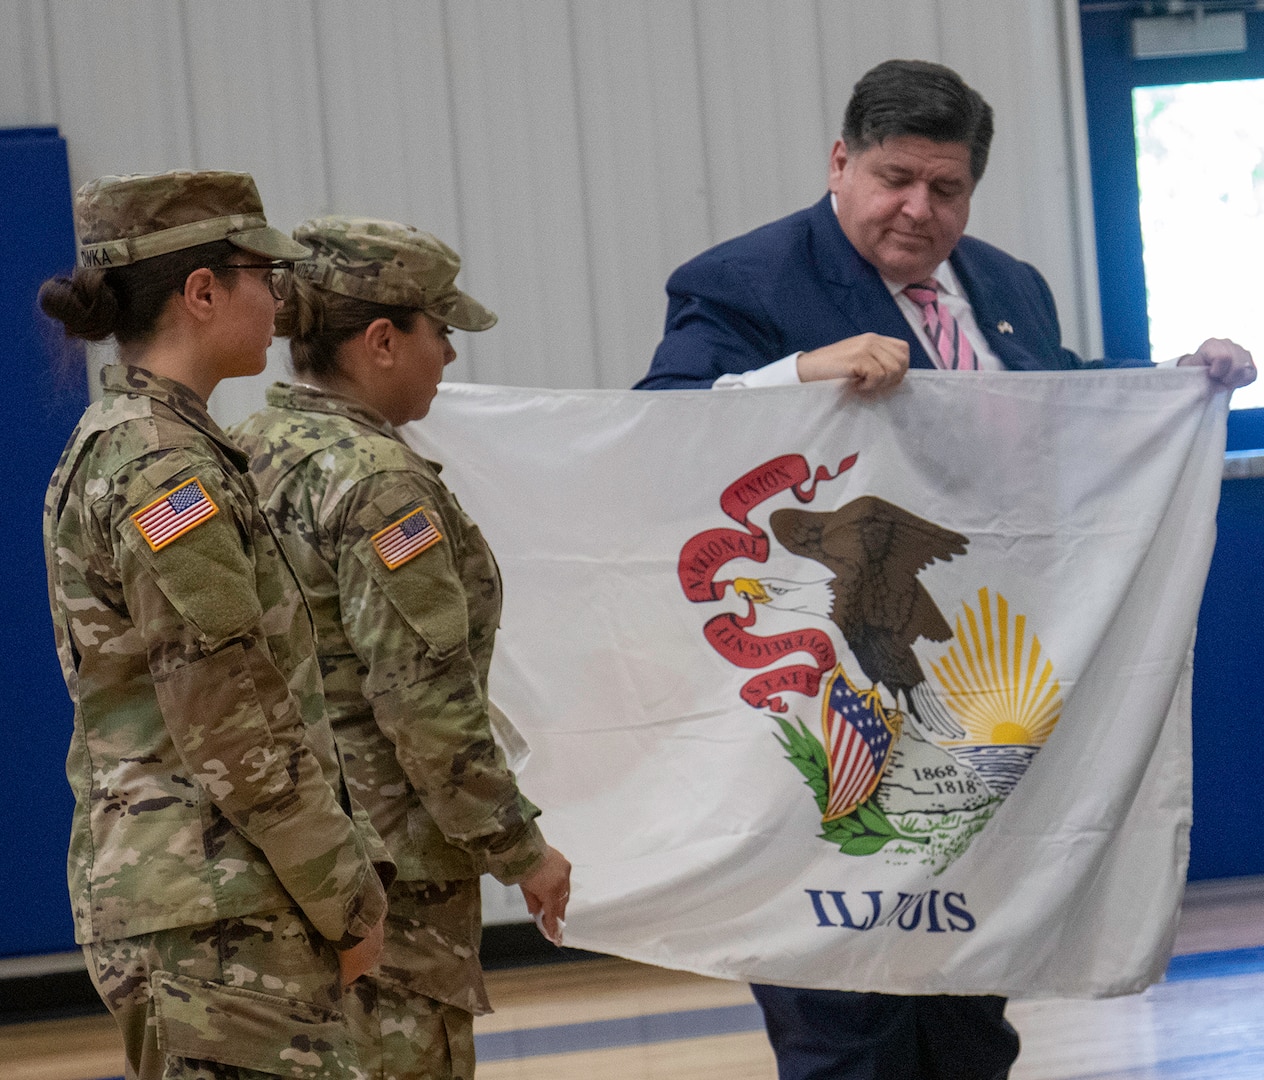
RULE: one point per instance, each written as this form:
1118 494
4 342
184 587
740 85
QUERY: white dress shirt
785 372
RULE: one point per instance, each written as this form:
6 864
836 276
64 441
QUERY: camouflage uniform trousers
247 998
413 1016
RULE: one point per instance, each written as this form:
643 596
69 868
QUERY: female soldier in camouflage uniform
406 598
216 864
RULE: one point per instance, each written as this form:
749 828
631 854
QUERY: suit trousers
833 1035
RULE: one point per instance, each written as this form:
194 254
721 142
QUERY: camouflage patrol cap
388 263
124 219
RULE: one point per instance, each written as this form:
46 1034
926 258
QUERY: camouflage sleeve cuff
516 862
366 909
374 846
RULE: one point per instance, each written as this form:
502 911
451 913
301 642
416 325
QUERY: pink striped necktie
954 348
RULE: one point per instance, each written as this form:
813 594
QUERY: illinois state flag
870 695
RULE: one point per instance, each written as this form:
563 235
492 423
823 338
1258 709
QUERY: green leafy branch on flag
866 829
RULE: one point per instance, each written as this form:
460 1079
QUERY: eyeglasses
280 280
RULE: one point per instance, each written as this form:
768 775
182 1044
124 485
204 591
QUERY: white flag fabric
884 695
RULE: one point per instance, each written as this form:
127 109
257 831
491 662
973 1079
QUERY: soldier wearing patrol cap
223 883
406 597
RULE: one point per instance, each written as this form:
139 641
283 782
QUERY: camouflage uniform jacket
206 778
404 652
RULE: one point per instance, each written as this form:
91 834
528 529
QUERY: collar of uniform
305 398
180 399
317 399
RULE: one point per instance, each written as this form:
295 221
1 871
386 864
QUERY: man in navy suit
821 294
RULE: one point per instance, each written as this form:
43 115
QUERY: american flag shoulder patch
405 538
170 517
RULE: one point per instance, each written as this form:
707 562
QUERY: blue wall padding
1227 839
39 405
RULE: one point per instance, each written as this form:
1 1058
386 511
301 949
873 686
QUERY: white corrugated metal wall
573 151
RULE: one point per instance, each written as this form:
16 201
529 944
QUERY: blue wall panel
1227 838
40 402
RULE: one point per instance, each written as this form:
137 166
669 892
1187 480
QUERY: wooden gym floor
622 1021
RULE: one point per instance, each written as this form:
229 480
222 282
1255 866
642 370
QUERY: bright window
1200 168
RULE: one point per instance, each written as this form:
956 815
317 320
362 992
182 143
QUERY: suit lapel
987 296
855 287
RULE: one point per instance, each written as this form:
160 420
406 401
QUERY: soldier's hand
546 890
872 362
362 958
1227 363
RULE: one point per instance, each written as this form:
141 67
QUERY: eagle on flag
874 550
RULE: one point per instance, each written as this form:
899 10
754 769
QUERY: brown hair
916 97
319 322
126 301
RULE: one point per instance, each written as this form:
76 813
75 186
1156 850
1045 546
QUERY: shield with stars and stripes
859 738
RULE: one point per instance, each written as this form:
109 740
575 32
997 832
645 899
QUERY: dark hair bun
85 304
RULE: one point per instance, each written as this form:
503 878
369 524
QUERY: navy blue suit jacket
798 284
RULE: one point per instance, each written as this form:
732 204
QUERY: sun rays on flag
995 679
